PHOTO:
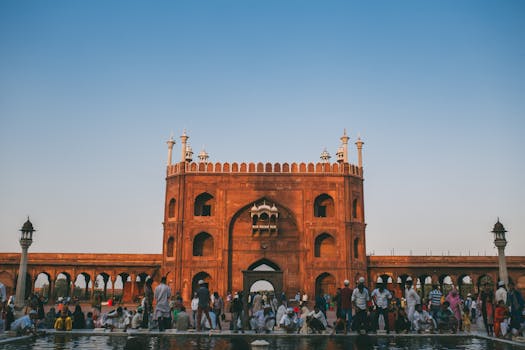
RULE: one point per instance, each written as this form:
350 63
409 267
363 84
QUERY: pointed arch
171 208
324 206
262 262
203 244
204 204
169 247
325 246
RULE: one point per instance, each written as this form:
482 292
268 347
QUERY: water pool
193 342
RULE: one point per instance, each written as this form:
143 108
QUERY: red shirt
499 314
346 298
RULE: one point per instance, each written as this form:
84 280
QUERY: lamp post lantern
26 238
500 242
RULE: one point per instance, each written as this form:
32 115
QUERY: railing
258 168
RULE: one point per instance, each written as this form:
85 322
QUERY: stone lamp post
26 238
500 242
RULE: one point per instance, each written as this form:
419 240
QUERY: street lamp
500 242
26 238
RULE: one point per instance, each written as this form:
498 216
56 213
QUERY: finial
325 156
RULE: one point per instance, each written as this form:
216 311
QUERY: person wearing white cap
346 304
501 293
360 298
412 299
381 298
203 293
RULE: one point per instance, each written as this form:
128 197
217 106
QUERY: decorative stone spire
183 139
189 154
340 154
203 156
325 156
359 145
170 143
344 146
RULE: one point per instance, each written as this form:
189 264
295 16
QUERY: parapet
266 168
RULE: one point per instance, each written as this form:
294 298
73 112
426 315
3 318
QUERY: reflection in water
205 342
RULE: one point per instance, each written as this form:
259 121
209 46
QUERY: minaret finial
359 143
170 143
344 147
184 138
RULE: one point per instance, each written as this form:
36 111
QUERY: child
465 317
499 316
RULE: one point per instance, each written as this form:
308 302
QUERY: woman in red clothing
499 316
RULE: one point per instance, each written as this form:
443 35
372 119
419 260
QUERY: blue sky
91 90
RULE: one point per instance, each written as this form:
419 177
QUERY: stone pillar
344 140
170 143
20 297
359 145
184 138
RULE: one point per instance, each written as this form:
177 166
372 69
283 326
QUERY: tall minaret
359 145
183 139
344 140
170 143
500 242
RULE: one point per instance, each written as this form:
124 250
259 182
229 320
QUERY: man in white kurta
162 297
412 299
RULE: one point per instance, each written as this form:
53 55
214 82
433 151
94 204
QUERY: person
455 305
218 308
402 324
303 320
381 298
490 316
515 304
465 318
256 302
346 304
281 310
194 308
116 319
50 318
360 299
136 321
3 294
446 322
64 322
203 294
501 293
500 313
183 320
147 302
316 320
25 324
263 320
162 296
90 322
434 298
320 302
473 310
79 320
290 321
422 320
236 309
485 300
412 299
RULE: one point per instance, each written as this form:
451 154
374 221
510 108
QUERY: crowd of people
499 312
357 309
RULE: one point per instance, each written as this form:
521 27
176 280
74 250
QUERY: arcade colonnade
84 276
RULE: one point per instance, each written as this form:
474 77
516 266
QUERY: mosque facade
299 227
